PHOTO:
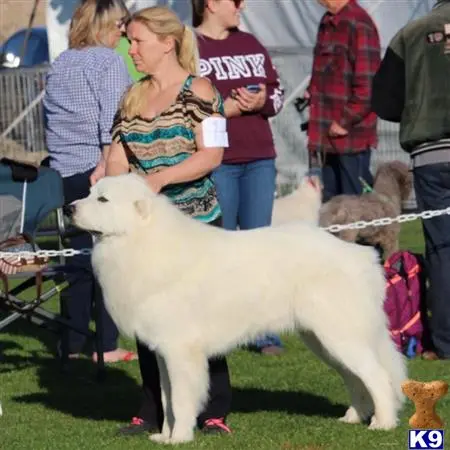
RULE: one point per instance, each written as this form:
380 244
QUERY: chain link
385 221
388 220
67 252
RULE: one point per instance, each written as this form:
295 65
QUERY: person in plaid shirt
342 128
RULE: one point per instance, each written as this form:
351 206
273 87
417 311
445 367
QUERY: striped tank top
168 139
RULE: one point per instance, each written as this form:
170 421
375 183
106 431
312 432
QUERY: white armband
215 132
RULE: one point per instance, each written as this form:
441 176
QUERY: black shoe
135 427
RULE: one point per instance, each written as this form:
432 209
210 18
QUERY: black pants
83 290
432 187
341 174
219 403
151 410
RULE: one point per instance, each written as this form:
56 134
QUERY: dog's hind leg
187 370
394 363
363 363
389 241
361 403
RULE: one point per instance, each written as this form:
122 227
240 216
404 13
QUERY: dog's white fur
301 204
191 291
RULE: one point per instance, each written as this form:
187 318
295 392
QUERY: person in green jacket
411 87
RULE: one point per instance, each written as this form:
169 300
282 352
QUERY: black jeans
219 402
341 173
432 187
83 290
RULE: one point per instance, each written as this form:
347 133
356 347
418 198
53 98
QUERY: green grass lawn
288 403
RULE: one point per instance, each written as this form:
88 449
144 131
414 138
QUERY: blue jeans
246 193
432 187
341 173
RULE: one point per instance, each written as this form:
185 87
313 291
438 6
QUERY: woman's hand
251 102
231 107
156 181
99 172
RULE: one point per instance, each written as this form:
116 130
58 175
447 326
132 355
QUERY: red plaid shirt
346 58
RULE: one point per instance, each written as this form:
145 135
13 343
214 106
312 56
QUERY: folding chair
24 204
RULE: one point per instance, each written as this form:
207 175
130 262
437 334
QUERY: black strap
130 155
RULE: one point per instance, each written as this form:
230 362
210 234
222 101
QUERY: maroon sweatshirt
235 62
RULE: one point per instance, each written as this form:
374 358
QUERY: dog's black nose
69 210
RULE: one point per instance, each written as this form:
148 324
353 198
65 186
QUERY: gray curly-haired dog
392 186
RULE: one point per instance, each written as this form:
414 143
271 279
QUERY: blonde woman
168 129
83 90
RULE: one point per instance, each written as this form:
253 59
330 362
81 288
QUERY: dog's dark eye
102 199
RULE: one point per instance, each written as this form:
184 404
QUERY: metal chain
388 220
68 252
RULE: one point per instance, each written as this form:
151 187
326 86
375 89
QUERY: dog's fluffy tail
388 356
394 364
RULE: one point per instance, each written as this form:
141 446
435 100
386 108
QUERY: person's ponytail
188 56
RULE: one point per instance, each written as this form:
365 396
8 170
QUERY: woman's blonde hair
163 22
90 26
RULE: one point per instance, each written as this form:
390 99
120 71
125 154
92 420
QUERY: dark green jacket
412 85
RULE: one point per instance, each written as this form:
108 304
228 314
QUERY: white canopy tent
288 29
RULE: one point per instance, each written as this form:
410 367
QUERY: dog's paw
159 437
351 416
171 440
385 424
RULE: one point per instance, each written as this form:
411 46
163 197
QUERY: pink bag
404 304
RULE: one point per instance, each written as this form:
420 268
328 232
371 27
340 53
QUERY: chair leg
61 230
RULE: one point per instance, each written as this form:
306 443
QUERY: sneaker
136 426
212 426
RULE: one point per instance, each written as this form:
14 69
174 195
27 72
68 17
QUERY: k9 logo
428 439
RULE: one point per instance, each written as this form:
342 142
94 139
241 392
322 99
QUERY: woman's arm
99 171
269 100
115 80
116 163
203 161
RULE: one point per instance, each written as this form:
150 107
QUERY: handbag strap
132 158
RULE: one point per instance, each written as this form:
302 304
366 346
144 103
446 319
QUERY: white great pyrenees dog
191 291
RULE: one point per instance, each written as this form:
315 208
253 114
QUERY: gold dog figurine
425 396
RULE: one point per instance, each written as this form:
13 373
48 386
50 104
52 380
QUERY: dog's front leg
188 374
168 423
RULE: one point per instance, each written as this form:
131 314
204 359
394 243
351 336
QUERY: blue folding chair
27 197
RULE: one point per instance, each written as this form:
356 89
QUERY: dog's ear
143 207
315 182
